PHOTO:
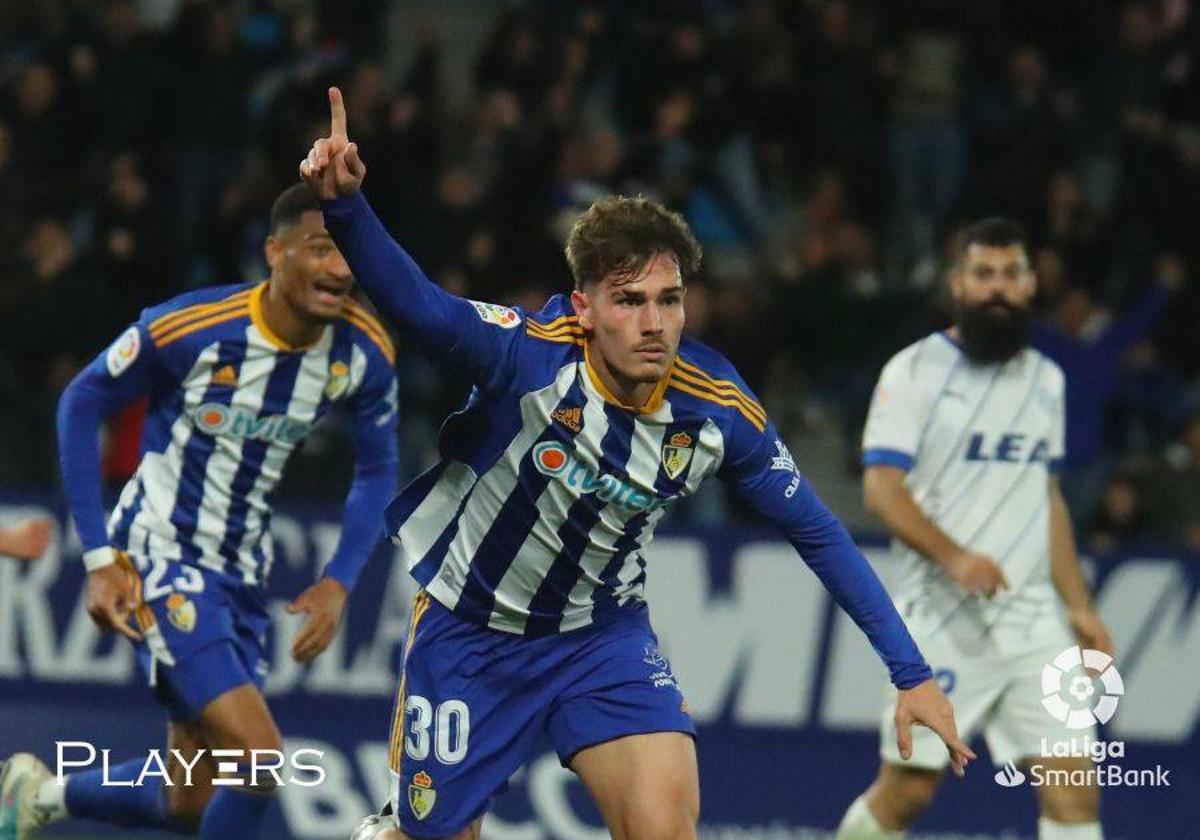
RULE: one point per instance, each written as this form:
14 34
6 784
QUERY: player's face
308 269
993 288
994 275
634 324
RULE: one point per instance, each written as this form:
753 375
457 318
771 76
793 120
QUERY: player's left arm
764 474
376 461
1067 575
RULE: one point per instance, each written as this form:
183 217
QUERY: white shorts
995 686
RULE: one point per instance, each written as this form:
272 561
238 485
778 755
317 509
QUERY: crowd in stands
824 151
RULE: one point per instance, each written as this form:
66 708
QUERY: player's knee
670 819
1070 803
902 794
185 806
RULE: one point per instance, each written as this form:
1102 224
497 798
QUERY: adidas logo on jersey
225 377
572 418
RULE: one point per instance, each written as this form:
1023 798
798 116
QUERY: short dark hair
994 231
620 234
291 204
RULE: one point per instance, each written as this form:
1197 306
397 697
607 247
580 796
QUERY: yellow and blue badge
421 795
677 454
339 381
181 612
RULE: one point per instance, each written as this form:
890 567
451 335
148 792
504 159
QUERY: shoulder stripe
562 321
367 316
566 333
566 338
722 386
374 331
193 326
174 319
688 388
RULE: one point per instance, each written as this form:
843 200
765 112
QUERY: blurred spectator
1089 343
1174 489
1120 518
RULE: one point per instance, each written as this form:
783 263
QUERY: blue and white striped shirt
229 403
535 518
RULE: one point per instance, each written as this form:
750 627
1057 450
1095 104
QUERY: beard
994 331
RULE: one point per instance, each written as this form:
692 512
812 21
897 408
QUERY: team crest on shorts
181 612
339 380
677 454
421 795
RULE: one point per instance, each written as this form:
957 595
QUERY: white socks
50 801
1051 830
860 824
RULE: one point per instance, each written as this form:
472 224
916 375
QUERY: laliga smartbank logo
1080 688
234 768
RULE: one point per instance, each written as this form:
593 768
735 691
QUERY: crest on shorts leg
421 795
181 612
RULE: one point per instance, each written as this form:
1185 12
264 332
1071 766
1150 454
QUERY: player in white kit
961 448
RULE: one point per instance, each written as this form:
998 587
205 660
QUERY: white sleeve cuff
98 558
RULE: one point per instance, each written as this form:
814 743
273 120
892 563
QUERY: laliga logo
1083 706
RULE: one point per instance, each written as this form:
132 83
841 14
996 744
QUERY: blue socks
139 805
234 814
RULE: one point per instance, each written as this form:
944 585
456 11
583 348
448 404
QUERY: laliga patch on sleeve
501 316
124 351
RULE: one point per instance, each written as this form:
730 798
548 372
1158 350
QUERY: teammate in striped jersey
236 377
588 418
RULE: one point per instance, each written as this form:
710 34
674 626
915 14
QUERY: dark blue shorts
474 701
204 634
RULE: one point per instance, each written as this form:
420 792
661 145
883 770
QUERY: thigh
1024 727
646 786
470 706
239 720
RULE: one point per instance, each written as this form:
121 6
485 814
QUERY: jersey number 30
451 722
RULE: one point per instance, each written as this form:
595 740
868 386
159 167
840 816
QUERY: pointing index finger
337 116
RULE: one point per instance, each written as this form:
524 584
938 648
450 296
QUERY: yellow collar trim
260 323
653 404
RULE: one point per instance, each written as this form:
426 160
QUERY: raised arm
444 325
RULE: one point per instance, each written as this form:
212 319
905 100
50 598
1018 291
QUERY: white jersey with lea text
979 443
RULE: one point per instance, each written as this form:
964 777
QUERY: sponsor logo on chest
554 460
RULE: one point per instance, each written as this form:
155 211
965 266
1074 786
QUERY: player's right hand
927 705
978 574
333 167
111 600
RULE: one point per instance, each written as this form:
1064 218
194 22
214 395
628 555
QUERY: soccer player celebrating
960 448
236 377
587 419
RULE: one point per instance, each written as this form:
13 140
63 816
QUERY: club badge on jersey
677 454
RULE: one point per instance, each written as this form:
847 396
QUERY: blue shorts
473 702
204 634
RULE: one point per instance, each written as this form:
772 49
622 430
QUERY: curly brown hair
618 235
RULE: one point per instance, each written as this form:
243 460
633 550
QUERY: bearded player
588 417
963 439
236 376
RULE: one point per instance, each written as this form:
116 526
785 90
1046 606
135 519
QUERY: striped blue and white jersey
536 517
978 443
229 402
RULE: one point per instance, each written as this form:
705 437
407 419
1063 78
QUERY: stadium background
824 152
